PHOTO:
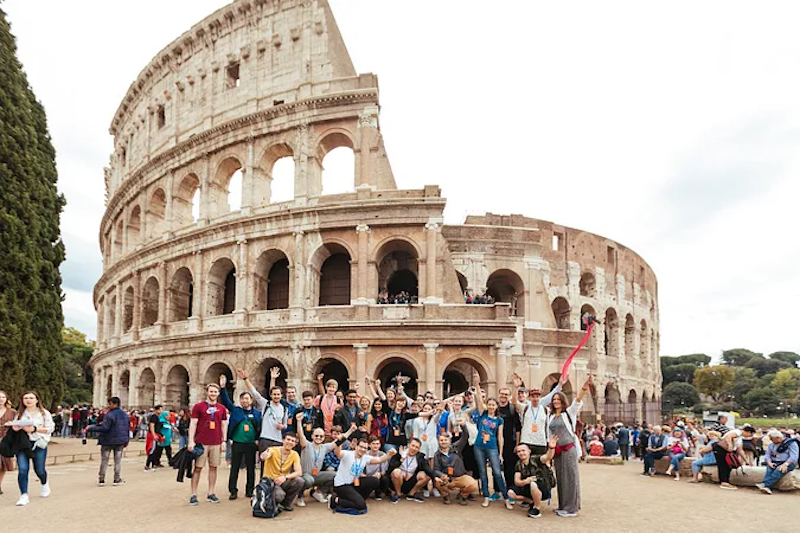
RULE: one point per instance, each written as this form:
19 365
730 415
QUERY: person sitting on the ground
677 446
350 488
596 447
282 465
706 456
611 446
409 472
656 449
781 458
532 484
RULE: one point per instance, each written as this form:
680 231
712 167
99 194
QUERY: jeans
774 475
24 466
183 441
650 460
65 430
105 452
481 454
706 460
675 460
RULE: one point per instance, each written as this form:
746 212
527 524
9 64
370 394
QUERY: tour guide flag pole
568 362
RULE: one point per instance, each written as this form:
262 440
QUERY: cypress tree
31 250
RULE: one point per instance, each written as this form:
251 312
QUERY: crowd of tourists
402 297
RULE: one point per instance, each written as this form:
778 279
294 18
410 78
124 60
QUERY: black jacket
15 442
454 461
422 464
183 462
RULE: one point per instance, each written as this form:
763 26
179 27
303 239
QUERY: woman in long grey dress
561 423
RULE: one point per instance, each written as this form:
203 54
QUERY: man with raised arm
533 431
273 420
351 486
243 430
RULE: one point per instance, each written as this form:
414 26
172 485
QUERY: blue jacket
113 430
238 415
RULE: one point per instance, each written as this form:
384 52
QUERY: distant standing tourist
7 414
37 422
113 436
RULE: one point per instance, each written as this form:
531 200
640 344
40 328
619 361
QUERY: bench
604 460
748 476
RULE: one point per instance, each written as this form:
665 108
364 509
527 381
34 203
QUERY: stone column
431 295
198 310
163 287
125 250
367 124
503 352
159 384
168 211
143 209
115 372
133 385
195 383
205 191
430 365
242 290
363 260
248 178
137 304
298 272
97 390
361 362
118 321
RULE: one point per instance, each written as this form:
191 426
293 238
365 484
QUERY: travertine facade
191 289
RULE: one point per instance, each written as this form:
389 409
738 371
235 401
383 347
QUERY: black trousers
623 450
722 465
352 497
243 452
509 461
155 457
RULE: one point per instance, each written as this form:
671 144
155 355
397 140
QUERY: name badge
315 471
406 476
212 425
449 470
396 432
308 428
534 428
246 428
486 437
457 433
289 421
356 482
424 438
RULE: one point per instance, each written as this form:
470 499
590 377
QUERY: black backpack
263 501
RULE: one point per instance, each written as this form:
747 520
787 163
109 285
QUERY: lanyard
407 463
272 413
211 411
357 467
308 414
317 454
282 460
396 418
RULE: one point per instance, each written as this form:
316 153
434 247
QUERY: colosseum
207 269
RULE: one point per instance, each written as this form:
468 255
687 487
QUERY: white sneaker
45 490
436 493
301 502
23 500
319 496
426 493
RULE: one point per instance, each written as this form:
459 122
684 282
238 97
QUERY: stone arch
177 388
123 389
272 280
331 274
587 285
586 309
463 283
180 297
333 367
157 214
185 200
644 358
150 297
457 373
397 261
278 165
261 376
549 383
630 408
387 366
221 287
213 372
613 404
146 393
630 344
220 193
134 227
340 146
506 286
611 339
561 312
127 309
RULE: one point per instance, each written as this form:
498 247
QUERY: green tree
678 393
739 356
30 245
763 400
790 357
764 367
787 383
714 381
678 373
77 372
745 379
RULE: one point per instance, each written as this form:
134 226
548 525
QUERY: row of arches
227 191
636 407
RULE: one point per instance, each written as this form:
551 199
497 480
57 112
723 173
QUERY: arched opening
222 193
652 409
112 317
611 339
613 405
561 312
124 388
278 165
586 310
221 287
215 371
157 214
272 281
644 358
389 369
338 164
587 285
127 310
109 388
398 272
550 383
630 344
334 274
118 240
177 390
134 226
147 389
506 286
457 376
630 408
186 201
150 295
462 283
332 368
181 295
262 376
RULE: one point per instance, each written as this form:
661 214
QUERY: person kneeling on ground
282 465
409 472
531 479
781 458
350 487
449 472
707 457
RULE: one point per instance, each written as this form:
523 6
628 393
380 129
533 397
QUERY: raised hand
299 416
223 380
516 380
356 386
241 374
377 382
320 376
274 372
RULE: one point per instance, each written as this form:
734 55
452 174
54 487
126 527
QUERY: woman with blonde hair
37 422
6 415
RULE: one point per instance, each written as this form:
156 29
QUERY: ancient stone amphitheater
207 270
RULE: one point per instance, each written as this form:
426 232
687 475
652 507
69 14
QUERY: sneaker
45 490
23 500
212 498
728 486
533 512
645 474
765 490
510 505
149 470
193 501
565 514
101 483
496 497
119 482
287 508
332 503
233 496
317 495
377 497
301 502
426 493
436 493
394 499
446 499
471 498
525 505
462 500
415 498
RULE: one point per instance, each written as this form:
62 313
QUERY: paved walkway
615 498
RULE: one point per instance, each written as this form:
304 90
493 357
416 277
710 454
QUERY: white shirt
272 415
536 416
41 419
350 468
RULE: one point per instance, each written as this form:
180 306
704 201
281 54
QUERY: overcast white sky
672 128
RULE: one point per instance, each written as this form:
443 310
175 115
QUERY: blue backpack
263 501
